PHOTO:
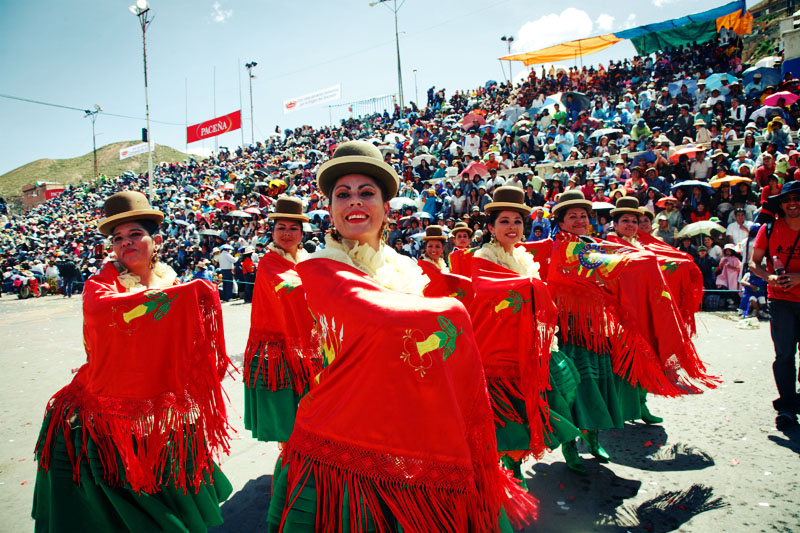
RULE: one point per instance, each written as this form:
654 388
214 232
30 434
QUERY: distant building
39 192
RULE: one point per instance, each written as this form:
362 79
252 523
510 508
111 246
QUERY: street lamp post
250 66
416 90
394 10
141 10
93 115
508 40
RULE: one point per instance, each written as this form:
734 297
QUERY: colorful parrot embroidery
669 266
416 351
289 285
514 301
158 304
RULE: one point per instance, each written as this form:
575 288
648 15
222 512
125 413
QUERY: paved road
717 463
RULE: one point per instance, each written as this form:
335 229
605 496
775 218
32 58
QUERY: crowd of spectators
676 129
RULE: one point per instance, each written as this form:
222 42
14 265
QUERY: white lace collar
519 261
387 267
302 255
440 264
162 273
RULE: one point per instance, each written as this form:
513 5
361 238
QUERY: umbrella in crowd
277 183
424 157
210 233
237 213
774 99
475 168
320 213
662 202
767 112
714 81
310 228
387 149
181 222
401 202
489 84
491 128
584 101
690 184
394 138
730 180
769 76
689 151
704 227
604 131
602 206
768 62
225 205
675 87
226 187
253 211
471 120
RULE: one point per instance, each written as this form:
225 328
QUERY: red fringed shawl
613 299
399 420
446 284
514 320
281 329
540 250
149 395
459 260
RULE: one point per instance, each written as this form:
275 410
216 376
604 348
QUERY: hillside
81 168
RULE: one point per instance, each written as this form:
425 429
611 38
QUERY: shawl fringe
282 361
596 323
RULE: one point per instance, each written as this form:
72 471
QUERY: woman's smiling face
357 209
507 229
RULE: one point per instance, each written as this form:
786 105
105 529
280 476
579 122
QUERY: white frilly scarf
519 261
387 267
440 264
302 255
163 277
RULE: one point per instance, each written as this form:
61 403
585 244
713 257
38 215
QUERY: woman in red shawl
282 350
618 324
396 431
433 250
460 256
128 444
514 320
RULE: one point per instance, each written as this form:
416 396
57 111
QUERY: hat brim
522 209
287 216
334 169
106 225
584 204
621 210
456 230
434 238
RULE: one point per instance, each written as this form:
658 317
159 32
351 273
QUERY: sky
90 52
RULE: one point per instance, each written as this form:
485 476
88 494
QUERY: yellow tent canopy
566 51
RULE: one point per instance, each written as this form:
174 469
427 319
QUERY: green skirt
512 435
268 415
302 516
603 399
61 504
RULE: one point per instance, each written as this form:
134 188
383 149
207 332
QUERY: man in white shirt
738 230
472 144
701 167
226 262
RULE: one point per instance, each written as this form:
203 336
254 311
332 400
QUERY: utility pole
250 77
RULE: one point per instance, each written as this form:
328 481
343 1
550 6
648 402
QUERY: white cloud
630 22
552 29
604 22
662 3
219 14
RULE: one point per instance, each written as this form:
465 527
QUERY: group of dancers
405 395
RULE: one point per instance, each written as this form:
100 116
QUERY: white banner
136 149
323 96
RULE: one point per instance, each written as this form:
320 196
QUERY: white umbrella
394 138
402 202
423 157
768 62
239 214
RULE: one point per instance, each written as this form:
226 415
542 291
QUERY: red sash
540 250
459 260
281 328
149 395
400 417
613 299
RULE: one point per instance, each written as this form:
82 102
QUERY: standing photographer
778 243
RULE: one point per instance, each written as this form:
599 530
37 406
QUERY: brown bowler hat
434 233
627 204
573 198
460 226
357 157
127 206
508 198
288 208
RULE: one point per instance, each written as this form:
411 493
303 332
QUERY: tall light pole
509 40
250 76
141 10
93 115
394 10
416 90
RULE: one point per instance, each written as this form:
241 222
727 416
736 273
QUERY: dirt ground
717 462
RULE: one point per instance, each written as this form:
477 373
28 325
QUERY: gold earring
493 239
153 260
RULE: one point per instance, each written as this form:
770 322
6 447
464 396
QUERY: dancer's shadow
246 510
792 440
644 447
668 511
572 502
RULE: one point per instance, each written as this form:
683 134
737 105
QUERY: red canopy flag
214 127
